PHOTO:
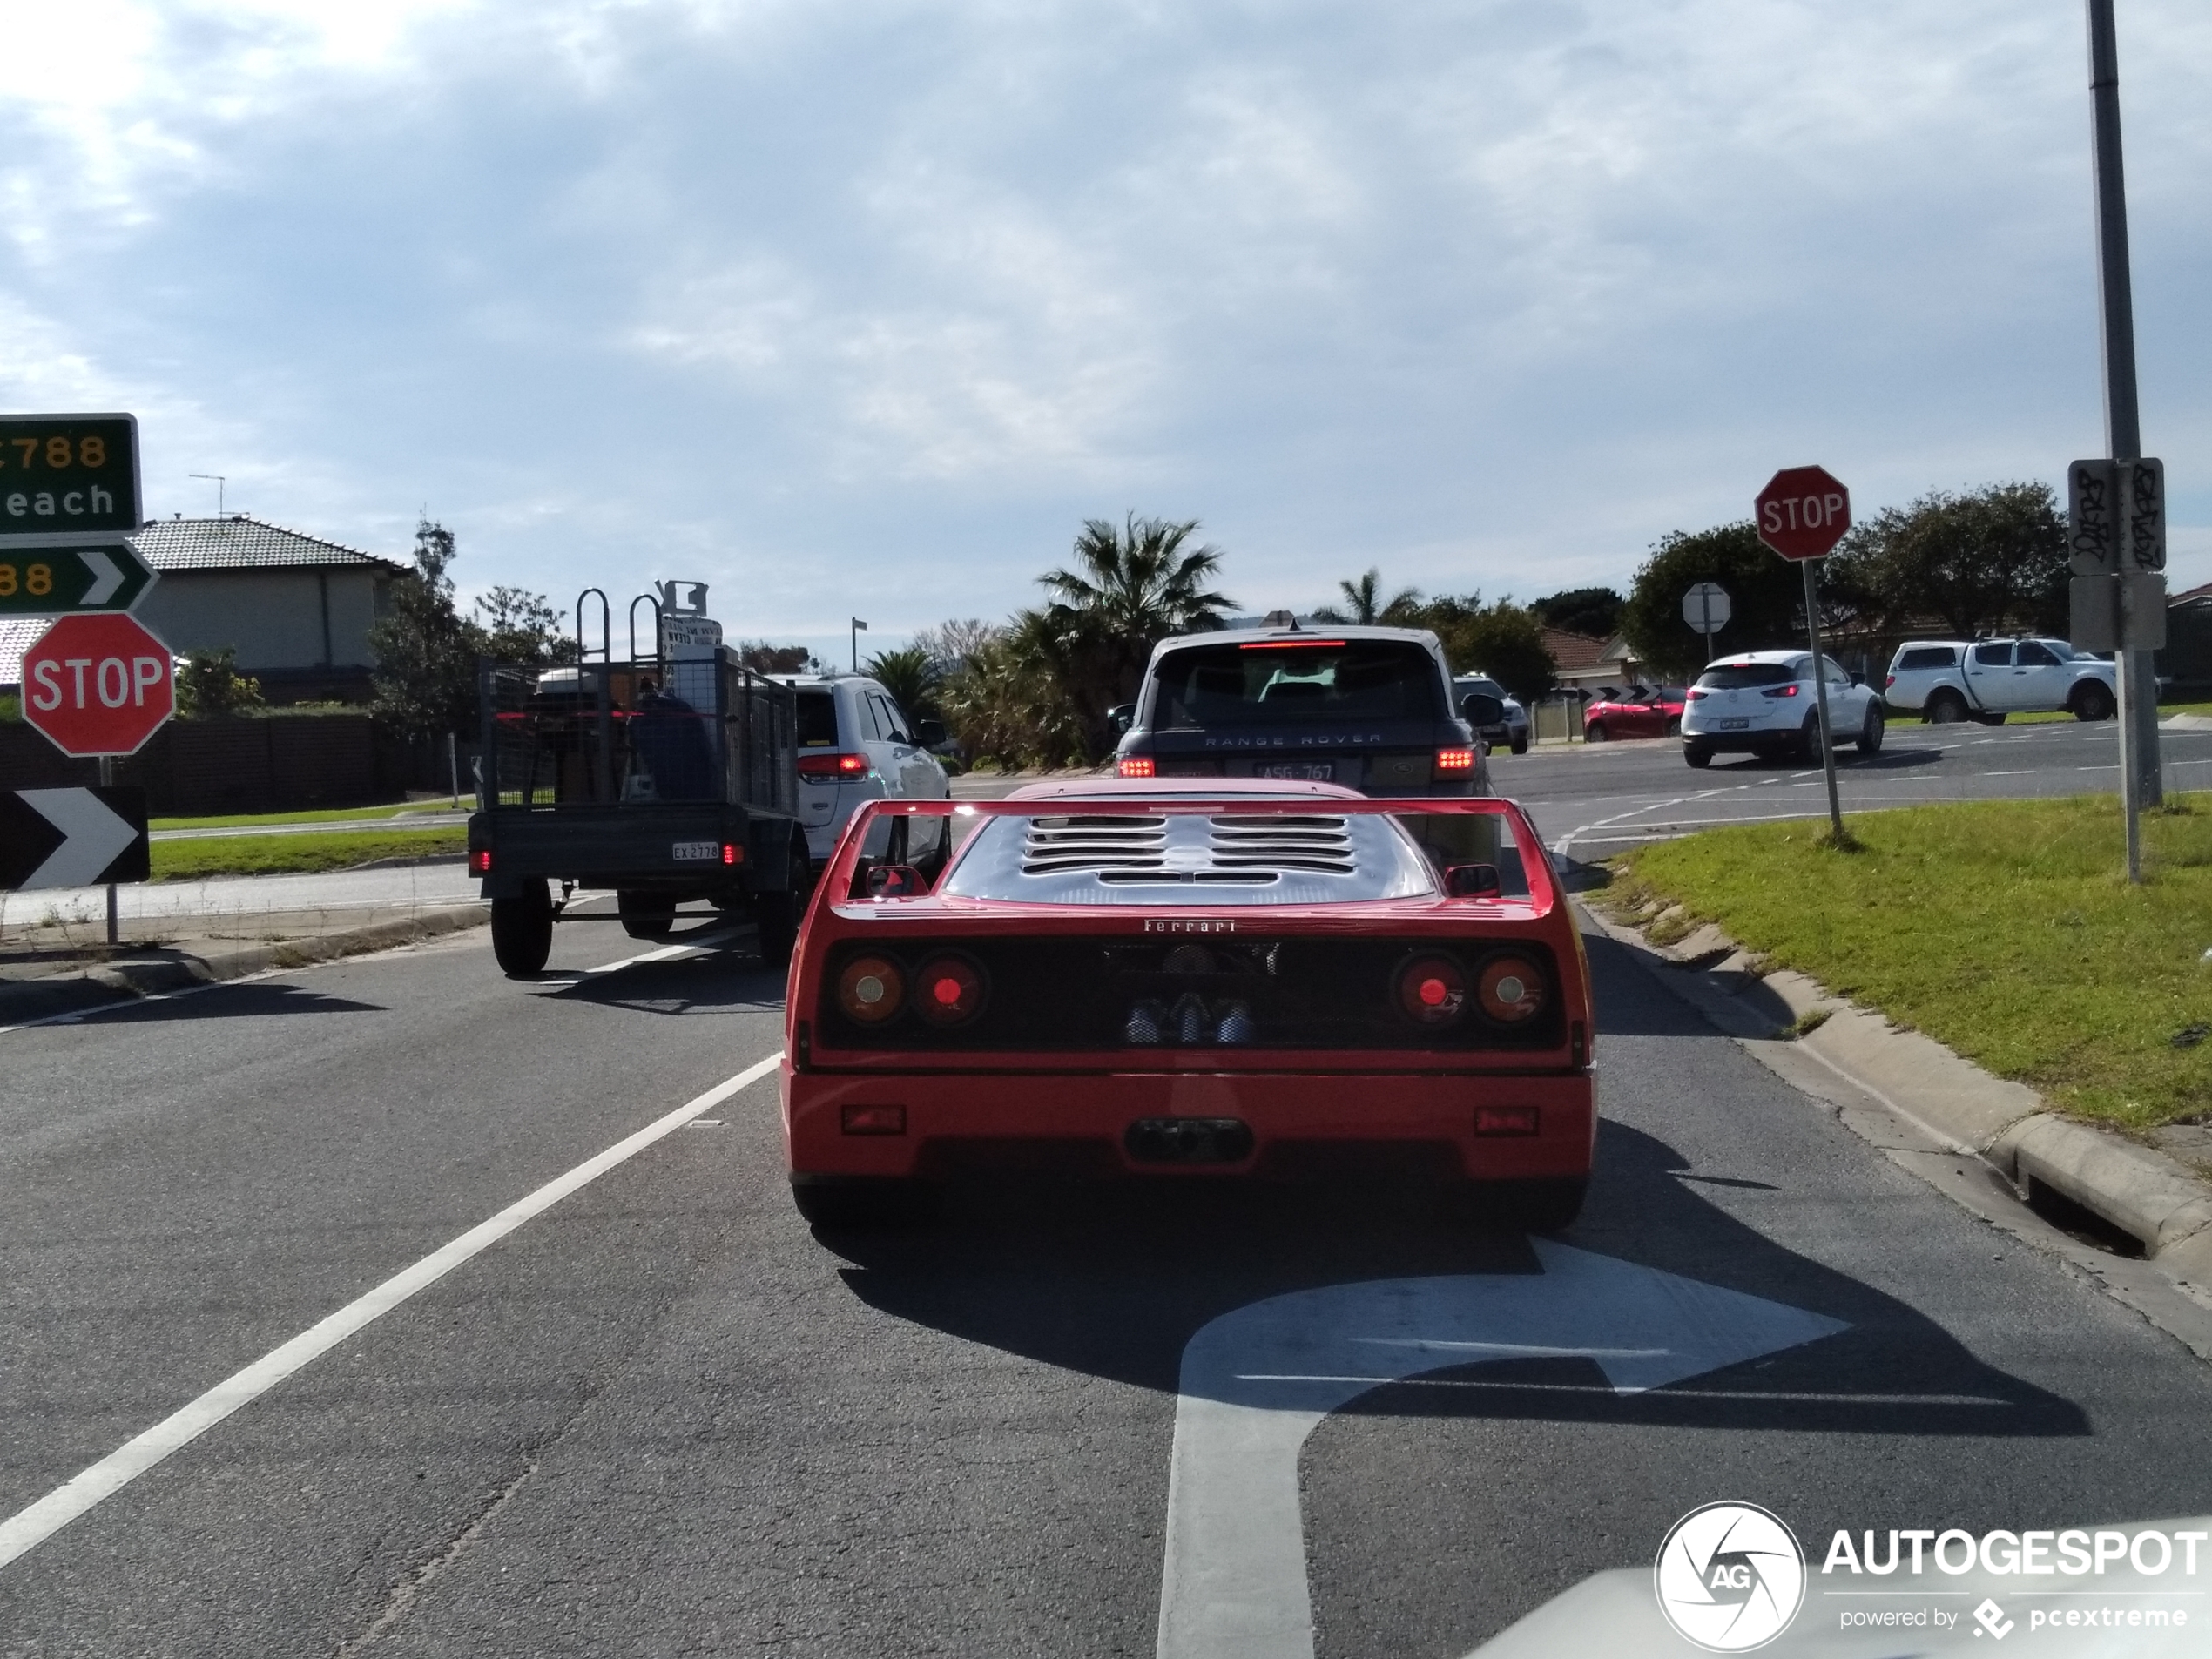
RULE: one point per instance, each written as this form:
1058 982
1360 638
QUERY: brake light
1888 681
871 990
949 991
874 1120
1692 695
1789 690
833 767
479 861
1135 767
1510 989
1432 991
1451 760
732 853
1498 1120
1292 644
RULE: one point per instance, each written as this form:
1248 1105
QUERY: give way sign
1803 513
98 685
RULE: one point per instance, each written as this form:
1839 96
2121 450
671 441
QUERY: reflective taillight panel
1511 989
871 990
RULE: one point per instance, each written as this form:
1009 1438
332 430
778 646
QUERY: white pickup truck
1950 680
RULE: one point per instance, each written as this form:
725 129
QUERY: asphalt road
664 1417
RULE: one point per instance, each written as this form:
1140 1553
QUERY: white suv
1950 680
855 744
1765 703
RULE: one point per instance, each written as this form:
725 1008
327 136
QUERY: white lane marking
1256 1381
29 1527
2030 774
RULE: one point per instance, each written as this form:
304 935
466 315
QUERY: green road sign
68 475
66 581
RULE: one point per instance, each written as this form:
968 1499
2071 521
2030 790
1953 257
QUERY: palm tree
1130 589
1368 606
910 676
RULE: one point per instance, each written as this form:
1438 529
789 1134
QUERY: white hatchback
1766 703
855 745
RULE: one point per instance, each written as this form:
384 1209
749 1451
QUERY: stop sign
98 685
1803 513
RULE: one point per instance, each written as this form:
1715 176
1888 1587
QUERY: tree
950 644
1990 560
1130 589
764 659
911 677
1766 599
1501 639
210 687
426 650
515 625
1367 605
1594 612
1010 700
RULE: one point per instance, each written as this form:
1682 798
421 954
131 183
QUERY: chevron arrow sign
72 837
61 579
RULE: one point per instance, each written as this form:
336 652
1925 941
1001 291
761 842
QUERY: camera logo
1992 1618
1729 1577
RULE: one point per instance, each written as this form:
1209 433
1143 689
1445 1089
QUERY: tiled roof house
296 608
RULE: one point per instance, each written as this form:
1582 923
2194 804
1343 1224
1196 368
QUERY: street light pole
859 627
2141 783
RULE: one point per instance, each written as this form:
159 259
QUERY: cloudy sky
860 306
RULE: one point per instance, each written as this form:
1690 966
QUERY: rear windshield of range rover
1267 683
1736 676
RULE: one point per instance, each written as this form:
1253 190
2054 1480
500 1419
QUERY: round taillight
871 990
1433 990
1511 989
949 990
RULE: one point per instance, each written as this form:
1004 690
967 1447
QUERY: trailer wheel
522 931
646 915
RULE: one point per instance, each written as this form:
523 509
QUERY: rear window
818 719
1273 683
1926 656
1735 677
1484 687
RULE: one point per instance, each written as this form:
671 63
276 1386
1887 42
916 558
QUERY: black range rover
1367 708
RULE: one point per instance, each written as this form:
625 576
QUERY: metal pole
1820 695
453 767
2140 781
107 781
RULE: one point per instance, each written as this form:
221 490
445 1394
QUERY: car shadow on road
257 999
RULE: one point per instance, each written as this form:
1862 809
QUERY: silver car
856 744
1513 730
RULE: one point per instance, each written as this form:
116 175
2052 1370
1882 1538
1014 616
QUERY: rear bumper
950 1115
1746 742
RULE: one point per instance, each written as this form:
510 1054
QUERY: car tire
1872 729
1546 1206
1807 747
1520 745
646 915
2093 700
1674 728
1698 754
522 931
862 1202
1947 708
778 915
1594 732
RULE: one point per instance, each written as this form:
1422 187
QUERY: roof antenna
219 482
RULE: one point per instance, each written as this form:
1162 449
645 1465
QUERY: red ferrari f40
1175 979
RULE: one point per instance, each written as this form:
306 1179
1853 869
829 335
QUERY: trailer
668 777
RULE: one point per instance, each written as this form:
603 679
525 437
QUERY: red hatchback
1640 711
1155 980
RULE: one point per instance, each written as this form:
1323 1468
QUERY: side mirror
1120 717
1482 709
1473 881
932 732
896 881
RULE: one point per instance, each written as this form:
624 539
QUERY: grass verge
2003 929
314 815
298 854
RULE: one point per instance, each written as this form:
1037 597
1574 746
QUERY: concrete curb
119 981
2146 1195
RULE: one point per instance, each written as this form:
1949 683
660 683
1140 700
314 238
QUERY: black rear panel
1216 994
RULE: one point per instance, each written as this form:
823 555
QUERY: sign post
1706 608
99 685
1802 514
